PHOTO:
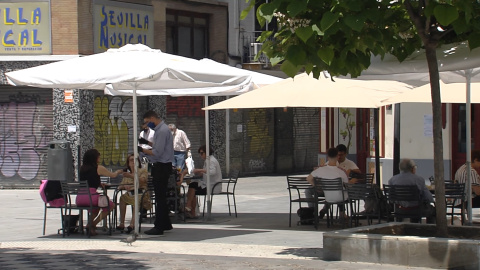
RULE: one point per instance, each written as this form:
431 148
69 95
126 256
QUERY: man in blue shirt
407 176
161 157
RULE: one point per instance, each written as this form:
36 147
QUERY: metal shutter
187 114
306 143
26 127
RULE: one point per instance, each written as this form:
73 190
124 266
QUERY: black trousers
160 173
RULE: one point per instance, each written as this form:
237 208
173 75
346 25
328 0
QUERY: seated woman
199 187
128 198
90 171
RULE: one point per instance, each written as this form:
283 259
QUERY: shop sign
117 24
25 27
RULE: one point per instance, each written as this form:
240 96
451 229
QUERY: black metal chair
296 191
366 193
401 195
366 178
54 190
334 193
455 198
71 190
231 184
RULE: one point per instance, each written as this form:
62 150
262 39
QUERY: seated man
329 171
461 177
345 163
406 177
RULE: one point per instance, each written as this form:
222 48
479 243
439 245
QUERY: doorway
459 124
363 138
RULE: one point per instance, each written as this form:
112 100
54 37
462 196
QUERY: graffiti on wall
261 142
185 106
25 132
113 124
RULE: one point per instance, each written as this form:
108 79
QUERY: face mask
151 125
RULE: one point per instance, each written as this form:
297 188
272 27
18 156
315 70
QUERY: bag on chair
307 215
103 201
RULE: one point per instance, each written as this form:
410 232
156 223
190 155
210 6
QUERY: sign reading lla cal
68 96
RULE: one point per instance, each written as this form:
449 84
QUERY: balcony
250 49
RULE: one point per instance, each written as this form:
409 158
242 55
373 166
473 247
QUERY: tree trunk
430 50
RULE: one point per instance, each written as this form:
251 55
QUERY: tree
340 37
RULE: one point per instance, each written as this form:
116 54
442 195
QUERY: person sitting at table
344 163
329 171
200 187
407 176
461 177
91 171
128 198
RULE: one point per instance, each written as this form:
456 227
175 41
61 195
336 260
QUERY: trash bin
60 161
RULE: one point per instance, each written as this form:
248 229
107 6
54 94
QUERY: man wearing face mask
161 157
181 145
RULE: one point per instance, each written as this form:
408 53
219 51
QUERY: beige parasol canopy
305 91
450 93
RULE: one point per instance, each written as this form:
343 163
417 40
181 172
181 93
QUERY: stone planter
406 244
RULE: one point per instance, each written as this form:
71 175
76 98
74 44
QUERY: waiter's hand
140 149
142 141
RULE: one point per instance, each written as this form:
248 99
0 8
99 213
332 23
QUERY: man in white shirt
345 163
146 134
461 177
329 171
181 145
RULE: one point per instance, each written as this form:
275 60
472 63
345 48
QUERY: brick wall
64 27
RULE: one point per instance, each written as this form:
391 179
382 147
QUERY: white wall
237 26
389 132
414 144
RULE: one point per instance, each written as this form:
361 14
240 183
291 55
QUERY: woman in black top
90 171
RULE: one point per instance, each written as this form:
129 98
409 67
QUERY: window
187 34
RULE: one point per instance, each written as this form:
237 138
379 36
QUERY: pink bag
57 200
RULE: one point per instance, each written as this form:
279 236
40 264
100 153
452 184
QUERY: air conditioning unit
254 50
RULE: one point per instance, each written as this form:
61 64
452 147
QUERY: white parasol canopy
138 69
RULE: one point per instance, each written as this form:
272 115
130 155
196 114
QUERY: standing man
345 163
161 157
181 145
146 136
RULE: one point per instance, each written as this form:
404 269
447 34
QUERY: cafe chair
397 195
70 191
455 198
334 193
231 184
296 190
358 193
147 213
365 178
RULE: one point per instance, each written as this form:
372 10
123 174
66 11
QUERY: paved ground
258 239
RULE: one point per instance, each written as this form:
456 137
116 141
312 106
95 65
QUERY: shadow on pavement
76 259
312 253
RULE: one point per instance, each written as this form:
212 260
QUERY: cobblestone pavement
258 239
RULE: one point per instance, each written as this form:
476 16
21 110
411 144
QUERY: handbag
103 201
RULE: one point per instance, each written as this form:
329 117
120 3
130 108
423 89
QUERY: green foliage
349 125
341 36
